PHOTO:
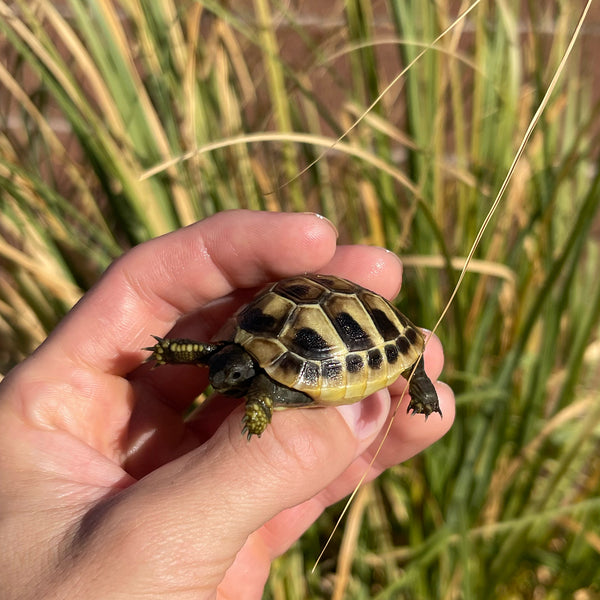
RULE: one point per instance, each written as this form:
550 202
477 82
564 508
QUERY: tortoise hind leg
265 395
424 399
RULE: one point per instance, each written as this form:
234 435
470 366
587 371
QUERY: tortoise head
231 370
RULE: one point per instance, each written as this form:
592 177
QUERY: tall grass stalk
121 121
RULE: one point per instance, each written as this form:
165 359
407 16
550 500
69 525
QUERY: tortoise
310 340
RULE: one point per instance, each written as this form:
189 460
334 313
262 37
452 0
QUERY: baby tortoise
311 340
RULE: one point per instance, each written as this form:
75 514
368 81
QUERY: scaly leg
182 351
423 397
263 397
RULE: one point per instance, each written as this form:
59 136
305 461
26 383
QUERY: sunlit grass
125 121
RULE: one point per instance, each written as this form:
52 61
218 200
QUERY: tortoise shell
327 337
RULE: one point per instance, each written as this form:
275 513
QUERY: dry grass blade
510 494
397 78
315 140
349 543
480 234
60 288
518 155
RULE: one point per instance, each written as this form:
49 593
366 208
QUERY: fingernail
325 219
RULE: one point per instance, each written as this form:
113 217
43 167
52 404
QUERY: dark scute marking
290 363
354 363
403 345
310 373
353 335
335 284
332 370
324 280
254 320
375 359
302 293
385 327
309 344
391 352
300 290
411 335
402 318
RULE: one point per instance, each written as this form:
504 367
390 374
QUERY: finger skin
74 381
184 517
375 268
408 436
150 287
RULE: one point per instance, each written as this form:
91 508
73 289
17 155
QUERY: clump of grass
123 121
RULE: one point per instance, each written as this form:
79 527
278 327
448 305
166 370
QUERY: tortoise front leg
182 351
263 397
259 411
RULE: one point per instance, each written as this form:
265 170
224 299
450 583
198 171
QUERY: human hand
107 491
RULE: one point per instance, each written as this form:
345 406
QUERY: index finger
151 286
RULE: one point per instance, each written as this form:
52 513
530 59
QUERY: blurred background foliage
120 121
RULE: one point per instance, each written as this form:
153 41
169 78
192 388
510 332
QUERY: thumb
198 511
